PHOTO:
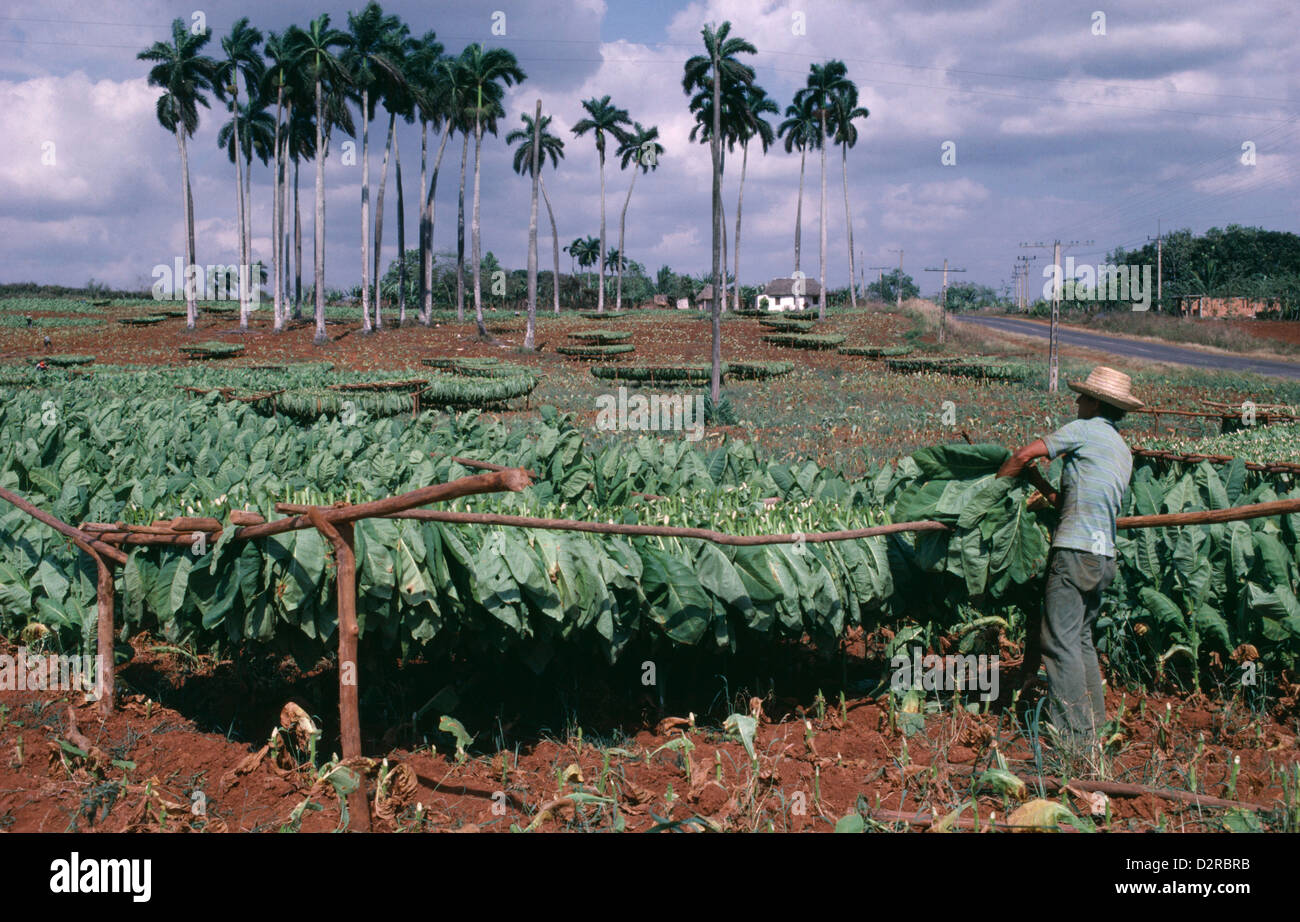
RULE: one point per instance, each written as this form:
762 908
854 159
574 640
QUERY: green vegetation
1276 442
690 374
805 340
439 586
18 322
786 324
693 374
461 392
595 352
600 336
875 352
754 371
211 350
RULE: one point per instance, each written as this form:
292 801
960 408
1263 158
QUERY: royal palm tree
535 144
241 58
603 119
365 57
184 74
393 91
732 122
586 250
317 45
256 136
613 259
825 83
279 78
457 88
752 125
299 145
487 71
846 110
717 66
641 148
800 129
424 76
402 100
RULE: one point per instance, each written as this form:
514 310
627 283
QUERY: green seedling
453 726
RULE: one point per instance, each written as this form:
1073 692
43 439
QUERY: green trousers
1076 698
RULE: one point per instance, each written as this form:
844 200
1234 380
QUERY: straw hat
1108 386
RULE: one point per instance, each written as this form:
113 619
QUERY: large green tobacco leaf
1162 609
959 462
677 601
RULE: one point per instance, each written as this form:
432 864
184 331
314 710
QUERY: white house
779 295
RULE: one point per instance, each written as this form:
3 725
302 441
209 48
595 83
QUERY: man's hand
1014 465
1041 483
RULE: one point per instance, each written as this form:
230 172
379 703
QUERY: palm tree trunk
460 236
189 201
476 244
285 237
798 210
740 201
600 259
821 295
530 331
239 208
848 222
188 207
365 208
622 225
555 241
424 212
318 254
297 246
722 221
277 265
401 235
379 217
431 205
715 148
254 272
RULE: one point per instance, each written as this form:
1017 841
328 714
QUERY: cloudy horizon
1059 132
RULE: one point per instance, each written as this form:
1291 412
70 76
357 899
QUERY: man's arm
1024 461
1014 465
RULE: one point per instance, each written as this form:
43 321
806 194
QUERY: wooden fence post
104 668
340 537
98 550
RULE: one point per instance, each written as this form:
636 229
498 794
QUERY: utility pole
880 278
943 301
1053 357
1022 277
1160 261
898 289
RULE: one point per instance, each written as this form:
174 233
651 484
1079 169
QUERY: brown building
1204 306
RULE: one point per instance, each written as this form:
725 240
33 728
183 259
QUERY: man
1082 560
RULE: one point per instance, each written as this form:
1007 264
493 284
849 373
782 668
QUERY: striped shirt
1093 481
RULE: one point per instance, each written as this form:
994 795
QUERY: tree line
288 95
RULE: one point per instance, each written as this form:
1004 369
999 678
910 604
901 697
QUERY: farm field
504 669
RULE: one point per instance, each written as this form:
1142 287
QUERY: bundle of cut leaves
994 539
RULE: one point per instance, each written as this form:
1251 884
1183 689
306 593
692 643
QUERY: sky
1061 121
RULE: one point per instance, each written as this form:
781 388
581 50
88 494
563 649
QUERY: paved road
1137 349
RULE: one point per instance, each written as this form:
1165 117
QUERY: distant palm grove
288 95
